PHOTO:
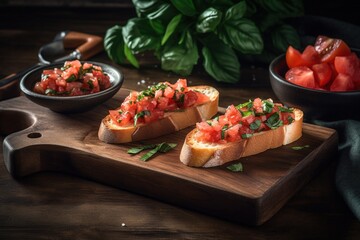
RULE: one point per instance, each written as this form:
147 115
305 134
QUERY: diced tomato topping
72 80
151 104
243 121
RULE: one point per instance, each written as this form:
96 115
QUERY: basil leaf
284 35
171 28
243 35
165 147
248 105
162 147
285 109
72 78
114 44
186 7
136 150
139 36
180 58
255 125
222 65
236 11
223 131
236 167
300 147
130 56
144 7
141 114
274 121
149 154
208 20
267 106
246 135
158 26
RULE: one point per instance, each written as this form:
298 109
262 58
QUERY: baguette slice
110 132
199 154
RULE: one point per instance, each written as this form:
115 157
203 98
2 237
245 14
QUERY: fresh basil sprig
161 147
217 34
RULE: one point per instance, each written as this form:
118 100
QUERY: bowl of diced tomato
323 79
71 86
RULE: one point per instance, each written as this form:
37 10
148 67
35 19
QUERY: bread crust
197 154
110 132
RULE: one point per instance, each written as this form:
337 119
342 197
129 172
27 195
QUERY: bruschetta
160 109
246 129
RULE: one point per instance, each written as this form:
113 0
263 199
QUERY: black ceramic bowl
70 104
316 104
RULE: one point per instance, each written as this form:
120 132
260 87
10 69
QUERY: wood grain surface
69 143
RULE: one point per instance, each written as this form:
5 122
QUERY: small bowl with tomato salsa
71 86
323 80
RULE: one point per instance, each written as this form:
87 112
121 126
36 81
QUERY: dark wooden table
58 206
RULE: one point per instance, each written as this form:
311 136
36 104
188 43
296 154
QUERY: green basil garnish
267 106
236 167
246 135
255 125
300 147
72 78
162 148
224 128
141 114
274 121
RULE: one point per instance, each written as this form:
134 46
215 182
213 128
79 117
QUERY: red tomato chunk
329 65
152 104
244 120
73 79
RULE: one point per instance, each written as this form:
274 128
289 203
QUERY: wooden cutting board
41 140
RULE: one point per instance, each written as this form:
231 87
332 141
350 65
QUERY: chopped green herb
91 84
236 167
274 121
141 114
300 147
246 135
50 91
248 105
255 125
161 147
72 78
136 150
223 130
285 109
267 106
246 113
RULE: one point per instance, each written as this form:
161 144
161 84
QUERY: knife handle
87 45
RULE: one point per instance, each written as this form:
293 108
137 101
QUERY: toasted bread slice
199 154
110 132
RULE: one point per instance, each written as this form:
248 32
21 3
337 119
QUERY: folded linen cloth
347 176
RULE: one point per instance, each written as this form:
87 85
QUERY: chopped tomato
322 73
72 80
337 70
347 64
329 48
243 121
342 82
302 76
151 104
308 57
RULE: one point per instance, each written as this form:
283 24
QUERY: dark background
344 10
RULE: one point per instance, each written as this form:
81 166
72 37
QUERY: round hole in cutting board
12 120
34 135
